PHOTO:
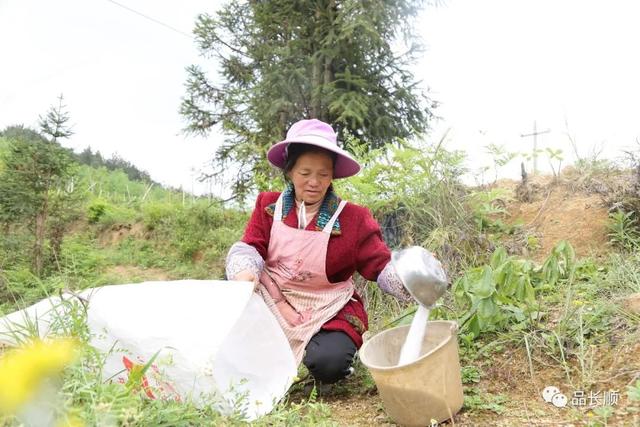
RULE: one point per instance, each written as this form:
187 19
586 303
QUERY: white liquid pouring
413 343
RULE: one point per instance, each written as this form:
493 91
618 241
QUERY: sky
498 66
122 77
494 67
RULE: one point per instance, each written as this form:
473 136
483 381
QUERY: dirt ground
508 374
559 213
119 232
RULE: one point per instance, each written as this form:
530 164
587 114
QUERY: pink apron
294 283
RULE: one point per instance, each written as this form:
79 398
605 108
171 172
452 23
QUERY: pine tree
282 60
34 167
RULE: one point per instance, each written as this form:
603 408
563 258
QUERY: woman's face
311 176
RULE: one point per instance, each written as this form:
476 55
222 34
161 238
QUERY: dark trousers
329 355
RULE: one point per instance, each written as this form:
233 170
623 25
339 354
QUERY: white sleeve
243 256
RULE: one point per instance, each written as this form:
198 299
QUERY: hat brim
345 166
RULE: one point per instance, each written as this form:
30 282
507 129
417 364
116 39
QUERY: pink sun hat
320 134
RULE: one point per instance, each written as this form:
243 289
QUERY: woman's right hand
290 314
247 276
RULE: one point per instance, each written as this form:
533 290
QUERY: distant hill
96 160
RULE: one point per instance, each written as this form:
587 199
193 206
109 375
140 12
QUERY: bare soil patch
119 232
560 213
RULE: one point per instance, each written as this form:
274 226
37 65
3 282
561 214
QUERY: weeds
623 275
623 230
475 400
584 317
470 375
488 209
504 292
604 413
416 194
500 157
81 392
633 391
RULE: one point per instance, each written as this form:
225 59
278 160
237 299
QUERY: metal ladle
424 278
421 274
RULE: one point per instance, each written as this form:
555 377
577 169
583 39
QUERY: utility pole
535 134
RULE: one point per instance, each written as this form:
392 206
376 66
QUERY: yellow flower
22 370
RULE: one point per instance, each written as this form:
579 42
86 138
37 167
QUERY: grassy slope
583 339
125 231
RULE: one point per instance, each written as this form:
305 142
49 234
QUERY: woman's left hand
247 276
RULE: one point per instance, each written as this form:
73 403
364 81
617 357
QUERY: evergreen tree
54 123
283 60
34 167
86 157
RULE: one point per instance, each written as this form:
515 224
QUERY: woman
302 246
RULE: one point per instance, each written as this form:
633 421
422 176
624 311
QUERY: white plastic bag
216 341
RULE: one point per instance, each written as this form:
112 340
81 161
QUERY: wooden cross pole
535 134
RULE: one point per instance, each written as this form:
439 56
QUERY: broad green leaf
474 325
486 286
499 257
487 308
510 284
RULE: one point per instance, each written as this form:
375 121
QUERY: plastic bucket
429 388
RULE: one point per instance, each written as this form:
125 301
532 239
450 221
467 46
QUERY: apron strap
327 228
277 213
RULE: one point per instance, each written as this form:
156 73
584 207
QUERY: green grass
581 303
573 313
84 394
476 400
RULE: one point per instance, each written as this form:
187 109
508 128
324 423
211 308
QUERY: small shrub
96 210
106 214
416 194
79 258
623 230
488 208
156 214
24 288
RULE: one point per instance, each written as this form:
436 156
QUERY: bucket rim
362 352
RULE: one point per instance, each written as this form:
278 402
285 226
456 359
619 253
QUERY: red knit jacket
359 248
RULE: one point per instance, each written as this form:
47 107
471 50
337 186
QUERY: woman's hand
293 317
247 276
